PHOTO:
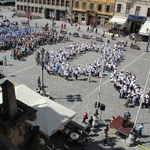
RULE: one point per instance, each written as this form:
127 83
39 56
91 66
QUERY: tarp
119 20
143 30
51 116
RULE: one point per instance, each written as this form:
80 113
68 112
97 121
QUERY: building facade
92 12
57 9
133 12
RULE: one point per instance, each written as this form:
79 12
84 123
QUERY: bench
133 46
99 39
85 36
1 16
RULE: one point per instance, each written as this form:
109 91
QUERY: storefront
135 23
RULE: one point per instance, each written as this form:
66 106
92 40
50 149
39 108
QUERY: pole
42 62
100 82
28 11
148 42
141 100
147 47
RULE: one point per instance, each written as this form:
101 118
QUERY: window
148 12
83 14
119 7
62 3
127 8
98 20
84 5
92 6
100 7
77 5
67 3
138 8
108 8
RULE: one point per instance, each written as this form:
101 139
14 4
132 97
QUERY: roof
51 116
118 20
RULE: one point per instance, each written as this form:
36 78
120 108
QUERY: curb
111 131
143 147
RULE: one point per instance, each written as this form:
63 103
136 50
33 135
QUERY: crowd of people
57 61
126 84
22 41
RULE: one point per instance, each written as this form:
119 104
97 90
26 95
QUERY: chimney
10 108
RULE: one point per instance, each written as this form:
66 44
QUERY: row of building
131 15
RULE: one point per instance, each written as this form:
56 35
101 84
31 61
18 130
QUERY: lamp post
40 60
147 47
130 139
141 100
28 11
98 104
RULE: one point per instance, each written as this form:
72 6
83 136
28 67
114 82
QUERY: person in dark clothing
96 31
87 29
91 120
107 128
105 137
39 82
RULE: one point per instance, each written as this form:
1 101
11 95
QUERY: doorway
91 20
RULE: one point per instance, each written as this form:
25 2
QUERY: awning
137 18
143 30
51 116
118 20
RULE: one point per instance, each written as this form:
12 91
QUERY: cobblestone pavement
81 95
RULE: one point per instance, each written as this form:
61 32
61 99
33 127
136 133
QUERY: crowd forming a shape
57 63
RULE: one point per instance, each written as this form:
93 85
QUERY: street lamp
28 11
40 60
130 138
148 32
98 104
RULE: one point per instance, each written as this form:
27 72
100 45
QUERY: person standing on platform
126 117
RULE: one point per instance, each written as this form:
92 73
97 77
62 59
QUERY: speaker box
1 62
98 104
102 107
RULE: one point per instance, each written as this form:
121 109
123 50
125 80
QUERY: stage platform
116 125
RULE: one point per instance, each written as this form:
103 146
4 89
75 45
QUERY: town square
79 72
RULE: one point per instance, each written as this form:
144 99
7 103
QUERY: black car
75 34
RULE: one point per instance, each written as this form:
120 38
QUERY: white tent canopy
143 30
51 116
119 20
